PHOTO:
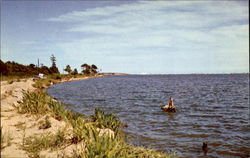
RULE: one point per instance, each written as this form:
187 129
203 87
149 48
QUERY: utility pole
37 66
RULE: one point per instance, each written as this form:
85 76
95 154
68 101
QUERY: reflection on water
212 108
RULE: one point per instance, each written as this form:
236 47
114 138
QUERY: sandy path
19 126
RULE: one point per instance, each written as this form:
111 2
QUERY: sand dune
19 126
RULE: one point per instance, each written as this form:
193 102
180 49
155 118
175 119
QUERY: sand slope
19 126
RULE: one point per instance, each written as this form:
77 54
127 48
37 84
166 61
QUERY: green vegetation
13 69
75 72
68 69
103 120
86 131
34 145
45 82
34 103
89 69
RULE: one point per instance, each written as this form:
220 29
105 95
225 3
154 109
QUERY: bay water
211 107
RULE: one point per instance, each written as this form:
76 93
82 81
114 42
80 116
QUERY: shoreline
12 93
16 127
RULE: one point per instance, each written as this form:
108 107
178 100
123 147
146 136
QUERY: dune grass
33 145
45 82
106 120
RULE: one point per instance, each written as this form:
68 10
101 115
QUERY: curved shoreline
18 126
13 123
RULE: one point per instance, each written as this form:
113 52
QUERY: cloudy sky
166 37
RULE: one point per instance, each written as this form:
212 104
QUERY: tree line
11 68
86 69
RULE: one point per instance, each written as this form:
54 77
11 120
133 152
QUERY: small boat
167 108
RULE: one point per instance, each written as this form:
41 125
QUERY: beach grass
104 120
45 82
33 145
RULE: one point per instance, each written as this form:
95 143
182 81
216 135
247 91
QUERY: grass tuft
34 145
34 103
104 120
44 124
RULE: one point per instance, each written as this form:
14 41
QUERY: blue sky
157 37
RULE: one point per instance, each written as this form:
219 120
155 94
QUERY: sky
152 37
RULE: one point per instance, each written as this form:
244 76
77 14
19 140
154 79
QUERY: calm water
212 108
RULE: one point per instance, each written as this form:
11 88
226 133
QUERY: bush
56 76
103 120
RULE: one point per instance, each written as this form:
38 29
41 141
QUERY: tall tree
53 60
53 68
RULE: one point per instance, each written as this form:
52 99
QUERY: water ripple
211 108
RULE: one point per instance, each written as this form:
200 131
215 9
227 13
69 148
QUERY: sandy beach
16 127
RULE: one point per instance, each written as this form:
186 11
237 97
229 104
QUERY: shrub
56 76
106 120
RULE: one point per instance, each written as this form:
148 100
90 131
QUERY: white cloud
212 31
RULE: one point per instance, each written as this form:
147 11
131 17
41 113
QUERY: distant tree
53 68
12 68
75 72
53 60
94 69
32 69
32 66
3 68
86 69
44 70
68 69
